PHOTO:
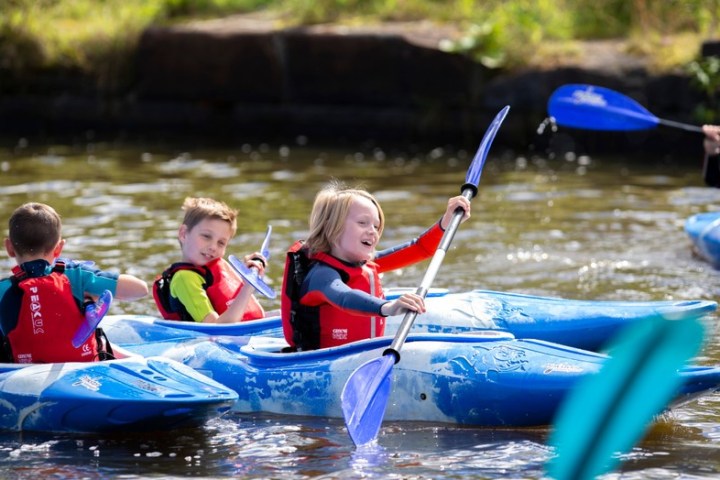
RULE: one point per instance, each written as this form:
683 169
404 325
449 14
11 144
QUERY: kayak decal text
87 382
561 367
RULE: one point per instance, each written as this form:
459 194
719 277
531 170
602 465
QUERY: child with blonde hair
332 292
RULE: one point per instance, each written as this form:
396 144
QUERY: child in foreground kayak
331 292
42 305
203 287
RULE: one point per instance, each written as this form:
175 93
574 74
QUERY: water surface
578 227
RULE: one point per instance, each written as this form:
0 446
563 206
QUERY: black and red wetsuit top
335 302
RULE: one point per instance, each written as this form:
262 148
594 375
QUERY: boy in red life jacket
203 287
42 303
340 299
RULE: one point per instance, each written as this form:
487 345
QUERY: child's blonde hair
198 209
329 212
35 229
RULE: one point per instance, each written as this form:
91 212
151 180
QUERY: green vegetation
97 36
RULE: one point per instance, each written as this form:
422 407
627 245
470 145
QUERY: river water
604 228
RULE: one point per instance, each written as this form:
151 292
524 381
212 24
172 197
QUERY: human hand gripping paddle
607 413
250 275
598 108
94 313
365 394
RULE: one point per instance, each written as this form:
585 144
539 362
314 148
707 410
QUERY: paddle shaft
437 259
680 125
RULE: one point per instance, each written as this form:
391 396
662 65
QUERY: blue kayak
586 324
125 395
487 378
704 231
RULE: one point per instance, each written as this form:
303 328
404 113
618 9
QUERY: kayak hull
485 379
126 395
704 232
586 324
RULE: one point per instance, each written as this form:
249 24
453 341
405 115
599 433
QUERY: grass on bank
97 36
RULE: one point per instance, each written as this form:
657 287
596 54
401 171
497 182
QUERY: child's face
206 241
360 233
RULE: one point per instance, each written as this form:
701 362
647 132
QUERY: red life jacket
48 319
222 285
301 324
309 327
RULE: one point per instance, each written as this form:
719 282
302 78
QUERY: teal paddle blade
607 413
365 396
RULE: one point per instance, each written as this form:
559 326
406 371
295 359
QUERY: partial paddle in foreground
365 394
609 412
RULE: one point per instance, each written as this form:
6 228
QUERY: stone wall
332 84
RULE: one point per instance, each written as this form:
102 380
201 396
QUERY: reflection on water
572 226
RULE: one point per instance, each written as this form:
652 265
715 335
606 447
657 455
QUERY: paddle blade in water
597 108
364 398
94 313
609 412
251 276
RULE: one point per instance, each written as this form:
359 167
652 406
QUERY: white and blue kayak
125 395
586 324
704 231
484 378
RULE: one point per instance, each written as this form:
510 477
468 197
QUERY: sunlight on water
569 225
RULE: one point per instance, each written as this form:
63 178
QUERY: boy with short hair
42 303
203 287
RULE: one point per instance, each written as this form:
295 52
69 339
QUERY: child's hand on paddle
453 204
257 261
409 301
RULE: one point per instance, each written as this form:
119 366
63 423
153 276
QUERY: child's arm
130 287
424 246
236 310
324 285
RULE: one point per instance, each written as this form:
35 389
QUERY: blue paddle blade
94 313
476 167
609 412
251 276
365 397
598 108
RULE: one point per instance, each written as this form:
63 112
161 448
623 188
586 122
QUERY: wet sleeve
187 287
323 285
86 278
416 250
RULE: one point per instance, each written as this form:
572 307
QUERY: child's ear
9 248
58 248
182 232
